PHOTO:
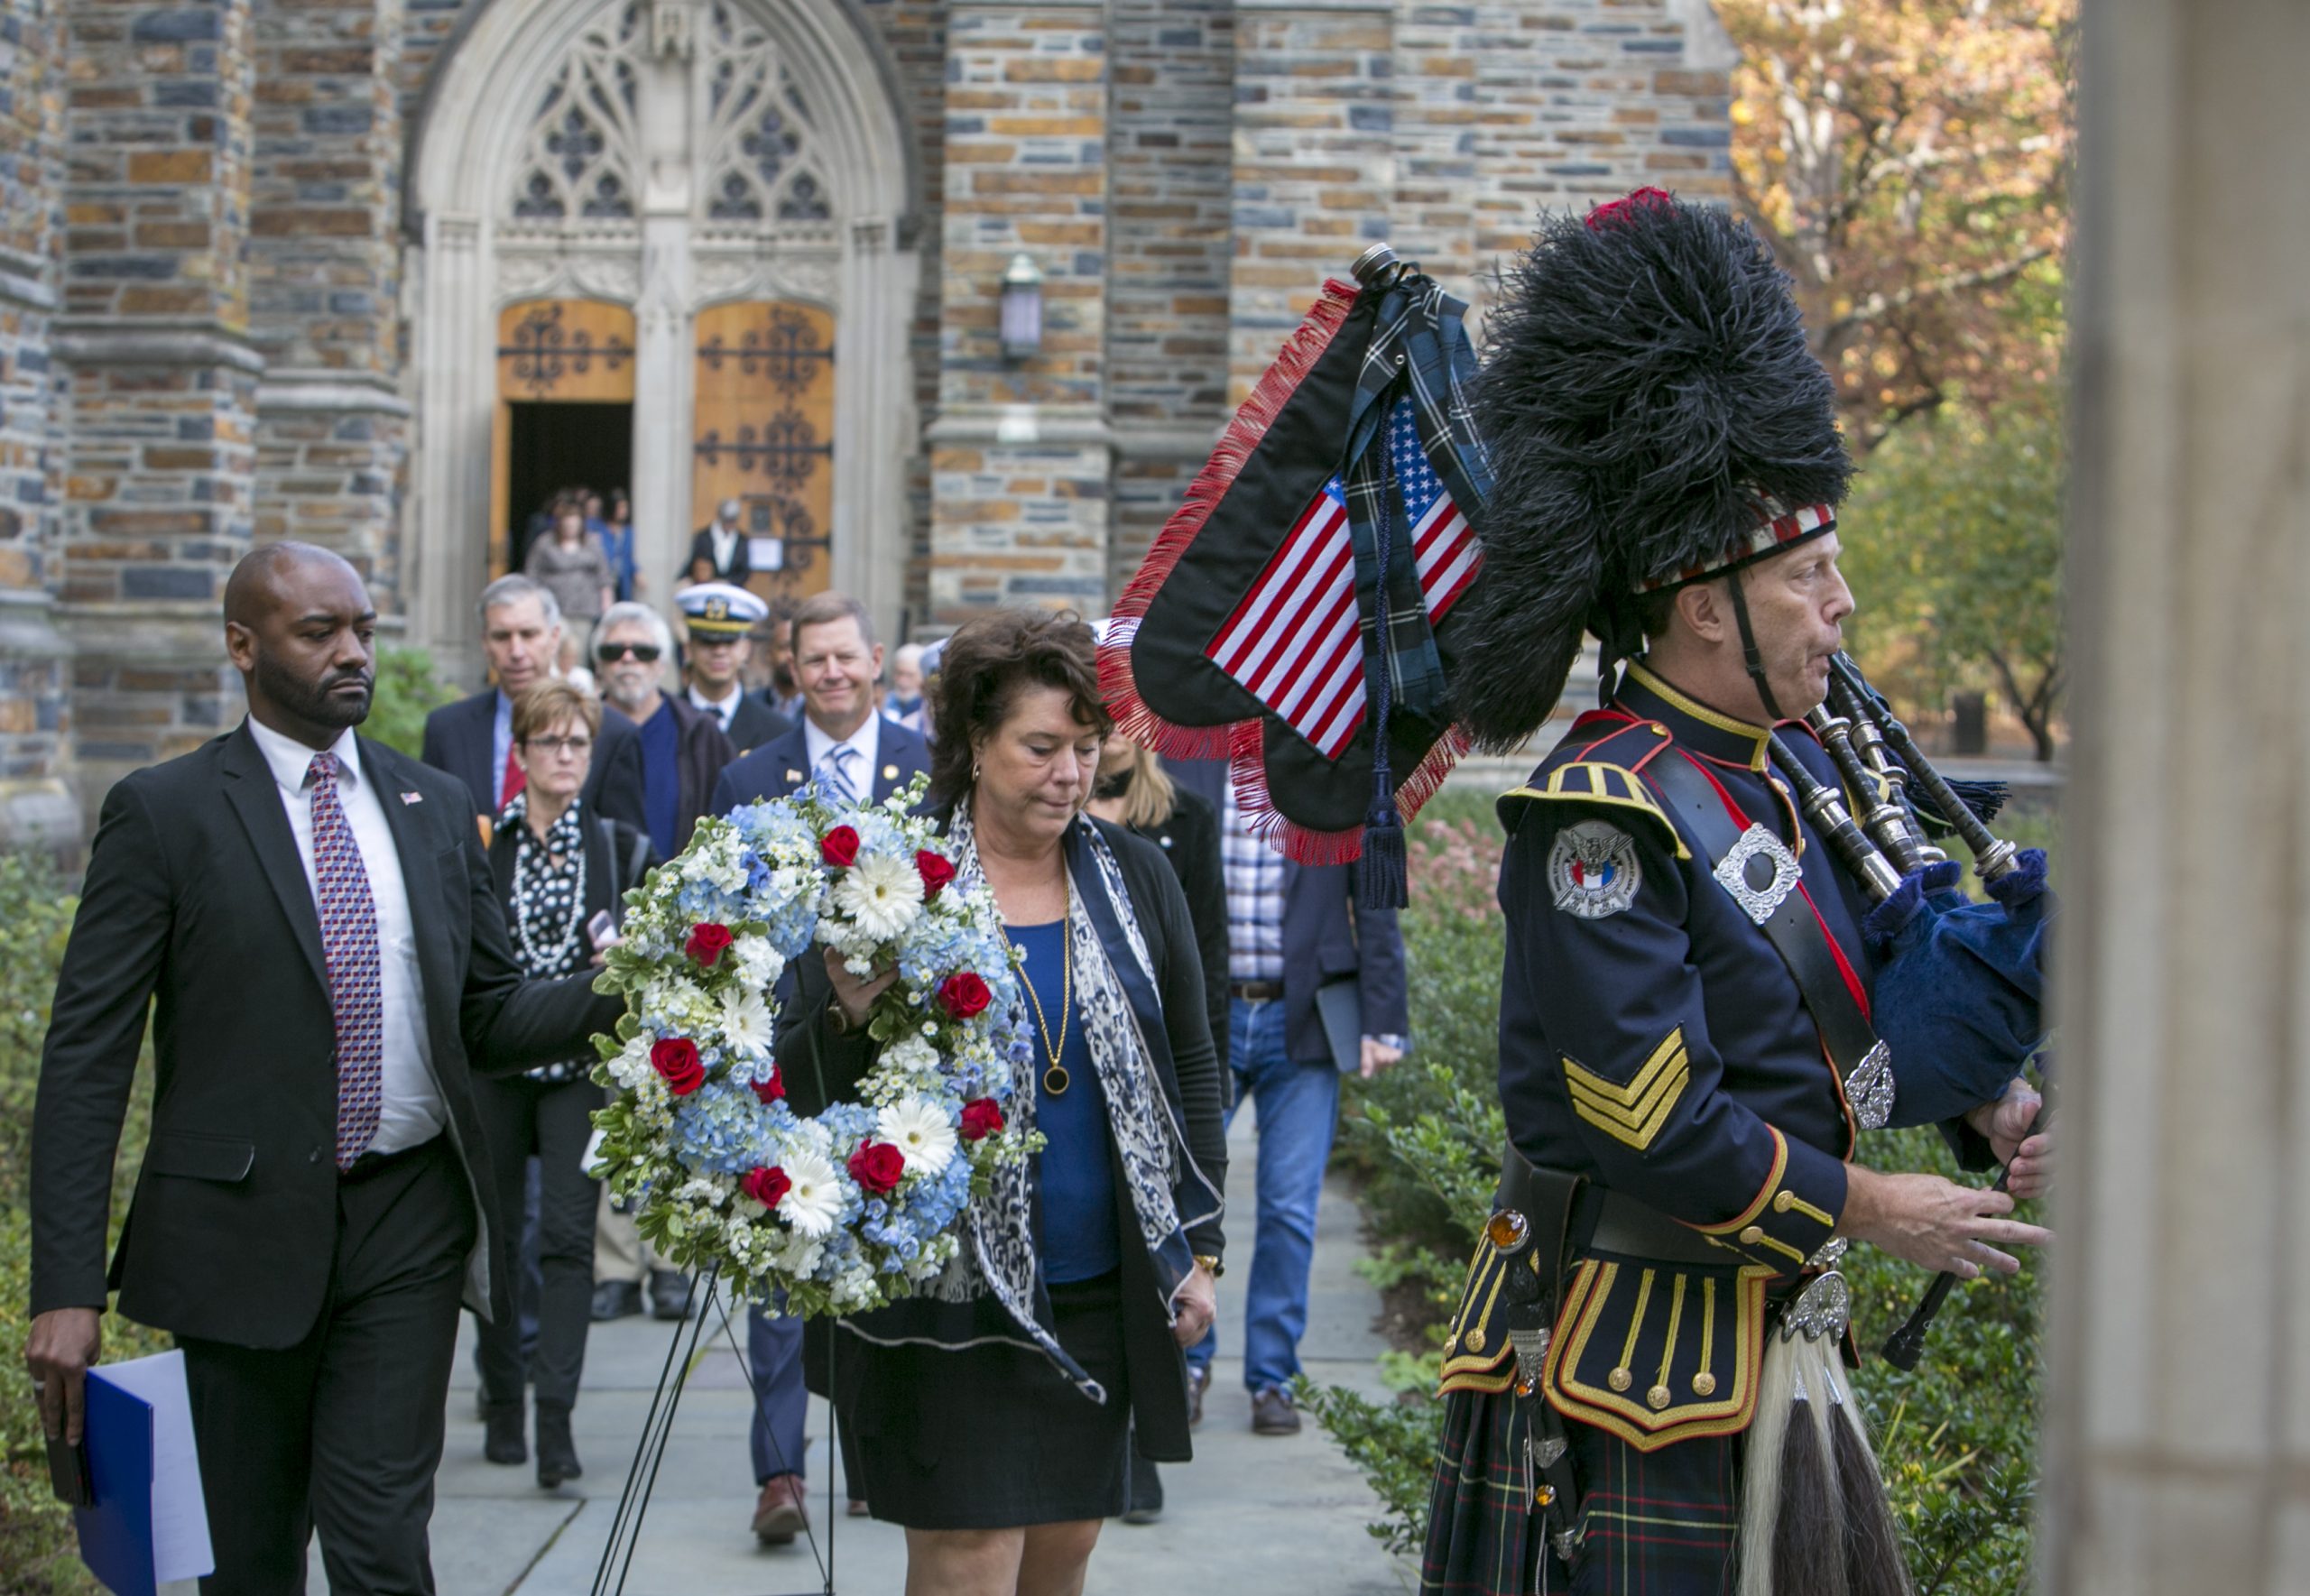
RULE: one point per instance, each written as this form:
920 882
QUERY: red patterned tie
515 779
349 947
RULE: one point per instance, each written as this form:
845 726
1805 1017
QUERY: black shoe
1272 1413
556 1454
615 1299
1199 1382
1143 1496
503 1442
669 1293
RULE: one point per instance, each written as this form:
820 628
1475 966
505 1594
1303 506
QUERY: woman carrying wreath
558 866
996 1408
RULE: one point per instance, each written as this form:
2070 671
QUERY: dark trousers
343 1430
788 1361
520 1117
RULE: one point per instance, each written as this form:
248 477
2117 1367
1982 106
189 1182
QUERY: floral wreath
859 1205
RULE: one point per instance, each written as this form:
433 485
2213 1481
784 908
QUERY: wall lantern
1023 310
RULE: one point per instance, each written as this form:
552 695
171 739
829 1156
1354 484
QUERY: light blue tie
834 781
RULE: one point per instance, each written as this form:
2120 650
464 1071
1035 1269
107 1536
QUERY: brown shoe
778 1514
1272 1413
1198 1381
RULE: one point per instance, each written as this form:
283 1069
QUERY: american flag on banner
1292 642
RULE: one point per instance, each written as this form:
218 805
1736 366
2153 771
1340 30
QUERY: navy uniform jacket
1652 1040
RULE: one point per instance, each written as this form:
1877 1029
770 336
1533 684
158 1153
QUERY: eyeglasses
611 653
575 747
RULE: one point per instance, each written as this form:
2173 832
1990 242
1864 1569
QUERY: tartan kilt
1483 1539
1661 1523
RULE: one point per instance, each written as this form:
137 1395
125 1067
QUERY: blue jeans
1297 1107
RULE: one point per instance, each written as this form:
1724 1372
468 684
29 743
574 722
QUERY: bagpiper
1647 1381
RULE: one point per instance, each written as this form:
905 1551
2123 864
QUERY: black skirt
994 1437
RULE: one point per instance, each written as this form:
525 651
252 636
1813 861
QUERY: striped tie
833 778
349 948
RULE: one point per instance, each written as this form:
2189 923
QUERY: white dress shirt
412 1111
865 744
721 709
726 545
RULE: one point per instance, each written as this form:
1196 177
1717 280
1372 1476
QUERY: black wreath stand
656 1429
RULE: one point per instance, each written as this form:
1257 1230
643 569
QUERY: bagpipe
1968 976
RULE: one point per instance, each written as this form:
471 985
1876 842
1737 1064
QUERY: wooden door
553 352
763 434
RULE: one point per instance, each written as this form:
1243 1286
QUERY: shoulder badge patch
1593 870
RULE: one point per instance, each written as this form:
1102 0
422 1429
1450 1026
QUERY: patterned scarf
1115 995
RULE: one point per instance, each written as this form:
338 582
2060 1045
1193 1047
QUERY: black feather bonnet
1654 417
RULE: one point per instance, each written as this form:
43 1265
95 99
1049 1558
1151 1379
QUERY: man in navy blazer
520 631
848 747
1292 931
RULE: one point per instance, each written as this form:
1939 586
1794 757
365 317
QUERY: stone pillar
161 461
37 808
1020 454
2177 1452
1315 162
1171 140
324 253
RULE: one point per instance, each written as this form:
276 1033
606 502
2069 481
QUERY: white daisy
918 1129
881 895
814 1201
745 1021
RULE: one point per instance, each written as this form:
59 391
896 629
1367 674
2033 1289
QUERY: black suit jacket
460 738
754 723
1326 937
779 766
1190 838
701 547
196 903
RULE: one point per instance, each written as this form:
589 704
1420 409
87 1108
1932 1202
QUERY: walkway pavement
1250 1515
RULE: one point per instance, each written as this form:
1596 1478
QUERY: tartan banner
1247 632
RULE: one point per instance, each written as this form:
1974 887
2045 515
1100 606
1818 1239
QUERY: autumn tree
1906 162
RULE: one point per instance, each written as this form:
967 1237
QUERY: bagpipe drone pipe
1295 615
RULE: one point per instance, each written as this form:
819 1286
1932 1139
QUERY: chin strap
1754 660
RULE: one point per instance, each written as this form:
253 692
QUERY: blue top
1080 1225
661 778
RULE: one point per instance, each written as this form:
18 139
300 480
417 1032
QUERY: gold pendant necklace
1056 1080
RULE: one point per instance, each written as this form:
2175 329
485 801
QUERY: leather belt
1256 992
1623 1225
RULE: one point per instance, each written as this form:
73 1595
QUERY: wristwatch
1211 1264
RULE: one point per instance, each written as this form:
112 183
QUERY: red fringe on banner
1251 423
1248 771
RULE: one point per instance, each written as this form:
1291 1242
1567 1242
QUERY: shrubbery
1958 1437
37 1550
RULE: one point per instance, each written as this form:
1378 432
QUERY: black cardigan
1190 838
1192 1086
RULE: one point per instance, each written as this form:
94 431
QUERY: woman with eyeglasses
563 873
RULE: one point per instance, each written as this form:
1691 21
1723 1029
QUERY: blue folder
117 1534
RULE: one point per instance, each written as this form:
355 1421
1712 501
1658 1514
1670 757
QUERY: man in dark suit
1292 931
473 739
314 918
718 552
853 753
720 620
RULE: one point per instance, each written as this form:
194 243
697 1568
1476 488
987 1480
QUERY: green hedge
38 1552
1957 1438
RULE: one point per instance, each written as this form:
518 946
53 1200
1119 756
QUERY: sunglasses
611 653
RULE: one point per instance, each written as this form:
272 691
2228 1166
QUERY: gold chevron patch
1633 1114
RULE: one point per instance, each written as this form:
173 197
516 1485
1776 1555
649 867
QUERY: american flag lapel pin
412 798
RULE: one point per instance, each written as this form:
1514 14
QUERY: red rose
981 1118
936 870
963 995
877 1166
772 1089
707 942
839 847
765 1186
675 1058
